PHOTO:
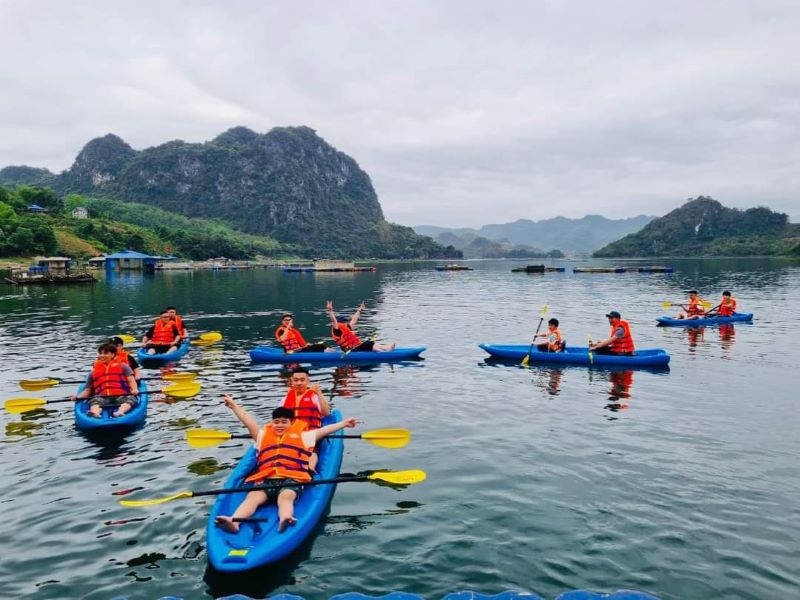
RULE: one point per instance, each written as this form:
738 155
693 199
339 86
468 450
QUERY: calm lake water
536 481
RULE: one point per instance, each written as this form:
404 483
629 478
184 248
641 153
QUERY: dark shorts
367 346
319 347
607 350
273 493
160 349
112 401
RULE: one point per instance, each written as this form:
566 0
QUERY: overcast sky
463 113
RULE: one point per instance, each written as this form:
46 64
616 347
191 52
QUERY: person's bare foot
285 523
227 524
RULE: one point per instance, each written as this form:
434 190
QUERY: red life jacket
293 341
282 457
305 409
695 307
554 341
624 344
726 310
179 324
163 334
346 339
108 379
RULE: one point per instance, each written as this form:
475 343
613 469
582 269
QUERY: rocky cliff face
288 184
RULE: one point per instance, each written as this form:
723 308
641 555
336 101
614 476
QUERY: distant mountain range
572 236
288 184
704 227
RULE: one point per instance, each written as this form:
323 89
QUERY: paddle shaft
355 436
533 341
79 399
70 381
253 488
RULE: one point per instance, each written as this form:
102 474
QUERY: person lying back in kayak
110 383
126 357
620 341
175 318
725 308
284 446
163 336
693 309
555 343
343 334
292 340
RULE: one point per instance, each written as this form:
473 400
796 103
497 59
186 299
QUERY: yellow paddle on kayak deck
385 438
393 477
668 304
178 390
36 385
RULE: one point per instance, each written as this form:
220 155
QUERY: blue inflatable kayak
572 355
268 354
143 356
135 417
734 318
258 544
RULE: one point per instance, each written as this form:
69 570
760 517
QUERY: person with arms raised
284 446
343 334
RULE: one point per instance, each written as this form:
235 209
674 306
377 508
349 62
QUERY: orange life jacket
293 341
284 456
695 307
179 324
726 310
554 341
347 339
108 379
305 409
622 344
163 334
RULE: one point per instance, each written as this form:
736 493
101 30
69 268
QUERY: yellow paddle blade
388 438
182 390
35 385
206 438
400 477
188 376
155 501
21 405
211 336
204 343
544 310
526 360
126 338
706 304
666 304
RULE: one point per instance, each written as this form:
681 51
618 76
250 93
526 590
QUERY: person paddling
175 318
292 340
620 341
110 383
693 309
725 308
163 336
284 446
126 357
555 342
343 334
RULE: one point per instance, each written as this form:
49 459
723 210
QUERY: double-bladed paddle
393 477
667 304
178 390
204 339
385 438
527 358
35 385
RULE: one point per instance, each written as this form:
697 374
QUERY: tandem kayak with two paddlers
268 354
573 355
703 321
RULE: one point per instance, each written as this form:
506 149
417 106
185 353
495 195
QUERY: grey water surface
683 483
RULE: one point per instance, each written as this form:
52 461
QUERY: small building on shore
97 262
130 260
55 265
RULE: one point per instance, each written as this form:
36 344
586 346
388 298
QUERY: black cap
117 341
614 314
284 315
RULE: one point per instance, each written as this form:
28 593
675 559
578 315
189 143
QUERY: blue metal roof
129 254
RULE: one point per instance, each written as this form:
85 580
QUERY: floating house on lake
54 265
327 266
129 260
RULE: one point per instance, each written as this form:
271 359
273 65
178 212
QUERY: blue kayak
734 318
135 417
572 355
258 544
268 354
143 356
